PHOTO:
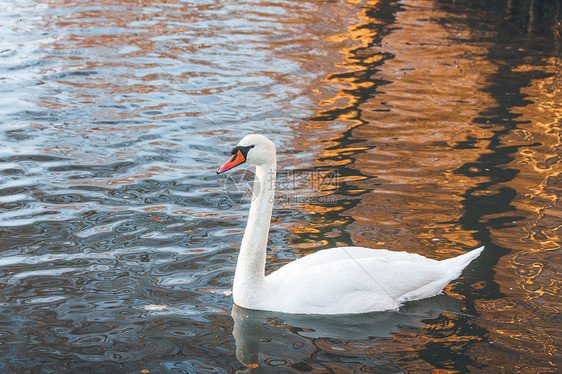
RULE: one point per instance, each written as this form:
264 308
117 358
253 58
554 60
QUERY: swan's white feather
354 280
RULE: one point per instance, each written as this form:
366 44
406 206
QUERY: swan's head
254 149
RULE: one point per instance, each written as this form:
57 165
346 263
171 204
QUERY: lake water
425 126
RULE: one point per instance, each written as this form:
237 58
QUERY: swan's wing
343 253
353 279
324 289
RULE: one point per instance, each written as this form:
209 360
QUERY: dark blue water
407 125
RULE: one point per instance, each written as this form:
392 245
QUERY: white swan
332 281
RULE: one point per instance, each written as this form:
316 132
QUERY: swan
343 280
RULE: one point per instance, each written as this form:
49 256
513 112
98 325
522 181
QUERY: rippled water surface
424 126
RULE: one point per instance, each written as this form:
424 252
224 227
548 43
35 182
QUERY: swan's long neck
250 269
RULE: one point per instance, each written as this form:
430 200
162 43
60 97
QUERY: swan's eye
242 149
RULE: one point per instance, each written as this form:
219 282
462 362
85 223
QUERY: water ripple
118 241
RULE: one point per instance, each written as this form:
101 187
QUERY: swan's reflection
249 325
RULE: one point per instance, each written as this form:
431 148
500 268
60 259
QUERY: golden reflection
424 117
530 276
405 146
357 60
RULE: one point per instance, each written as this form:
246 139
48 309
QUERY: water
409 125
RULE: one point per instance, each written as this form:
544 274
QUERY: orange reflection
530 276
399 113
382 86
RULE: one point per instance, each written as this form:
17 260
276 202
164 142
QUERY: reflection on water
410 125
341 334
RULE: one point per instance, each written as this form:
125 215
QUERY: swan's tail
457 264
451 268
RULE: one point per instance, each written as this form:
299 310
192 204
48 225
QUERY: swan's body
333 281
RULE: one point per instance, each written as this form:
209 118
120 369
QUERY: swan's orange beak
236 159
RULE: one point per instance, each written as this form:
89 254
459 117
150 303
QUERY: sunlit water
404 125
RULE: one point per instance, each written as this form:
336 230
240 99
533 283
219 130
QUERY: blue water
399 124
